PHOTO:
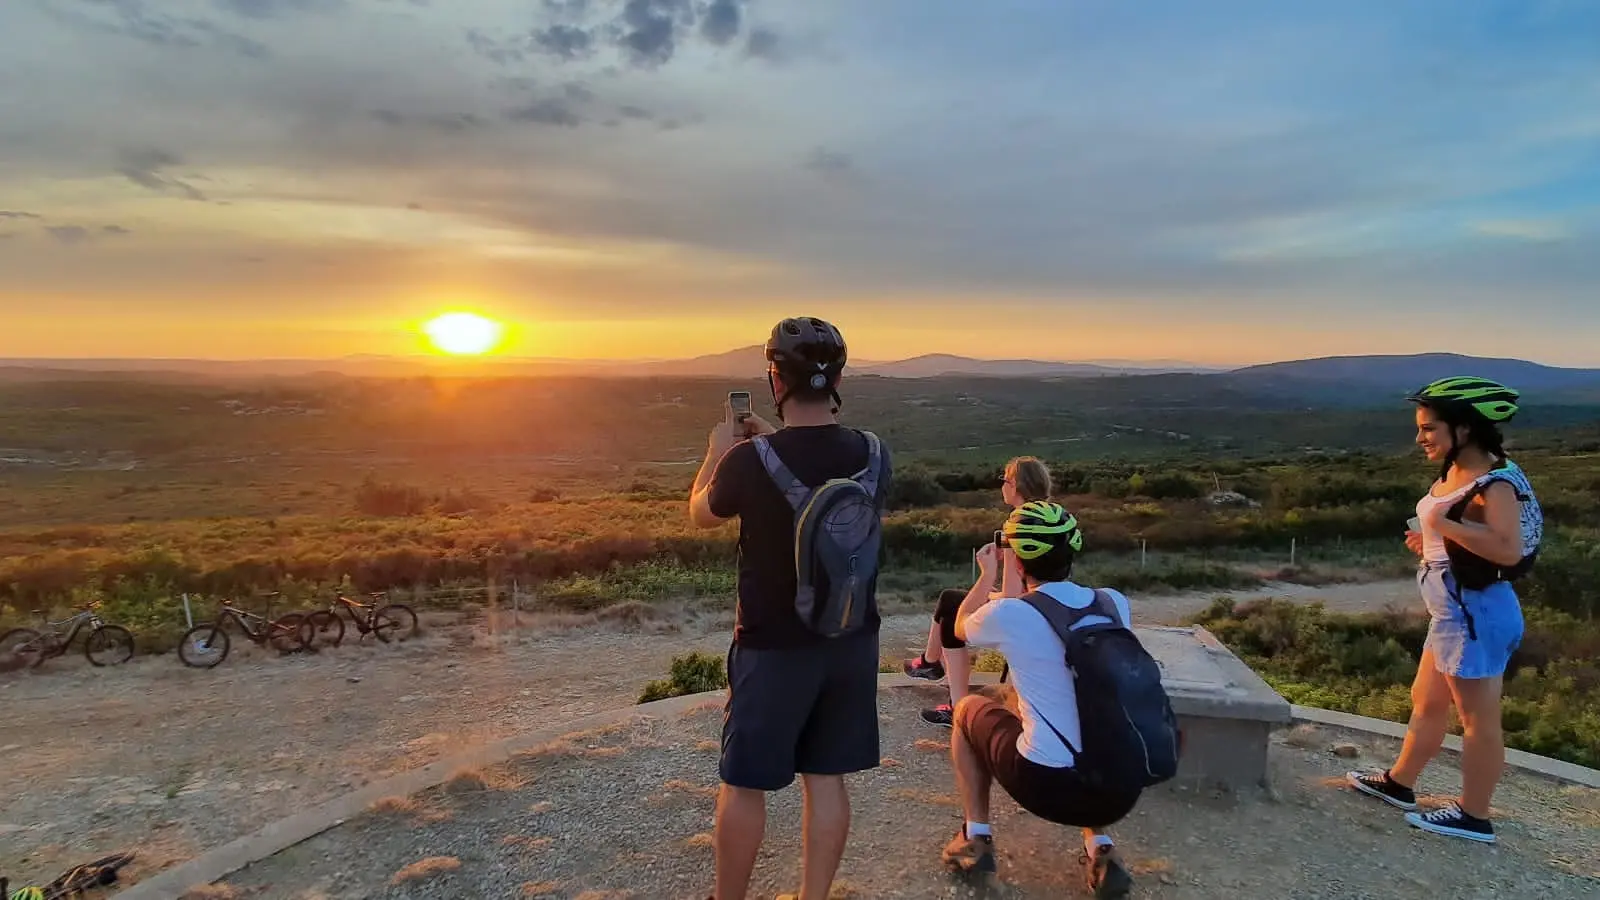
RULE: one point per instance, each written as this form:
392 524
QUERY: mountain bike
385 621
105 645
206 645
73 882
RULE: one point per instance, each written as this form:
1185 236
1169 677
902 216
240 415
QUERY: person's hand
723 437
1011 574
1433 516
754 425
988 562
1414 542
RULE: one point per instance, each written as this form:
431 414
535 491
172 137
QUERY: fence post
188 617
516 604
1294 545
1144 547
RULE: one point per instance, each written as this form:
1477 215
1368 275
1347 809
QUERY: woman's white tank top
1432 543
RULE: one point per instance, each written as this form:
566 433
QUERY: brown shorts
1055 795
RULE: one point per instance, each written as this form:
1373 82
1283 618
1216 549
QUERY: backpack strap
794 490
869 476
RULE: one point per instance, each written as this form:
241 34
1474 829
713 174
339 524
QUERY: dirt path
175 761
624 812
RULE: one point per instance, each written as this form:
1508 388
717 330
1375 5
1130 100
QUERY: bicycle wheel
21 648
286 633
204 646
395 621
108 645
323 627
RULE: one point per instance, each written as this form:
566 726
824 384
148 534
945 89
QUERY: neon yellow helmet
28 893
1039 526
1493 401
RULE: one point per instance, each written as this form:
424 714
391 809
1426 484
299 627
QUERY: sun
463 333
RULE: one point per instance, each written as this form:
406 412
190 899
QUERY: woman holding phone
1025 479
1476 530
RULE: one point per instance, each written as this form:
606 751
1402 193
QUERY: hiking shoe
1380 785
921 668
965 855
943 714
1107 877
1452 821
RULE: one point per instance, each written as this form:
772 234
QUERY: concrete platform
1226 711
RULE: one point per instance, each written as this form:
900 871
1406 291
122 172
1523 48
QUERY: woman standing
1026 479
1480 526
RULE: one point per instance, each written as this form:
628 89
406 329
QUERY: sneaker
1453 822
943 714
964 854
1108 879
921 668
1380 785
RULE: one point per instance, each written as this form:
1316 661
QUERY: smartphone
739 405
1414 524
999 540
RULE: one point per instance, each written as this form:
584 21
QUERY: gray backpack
837 537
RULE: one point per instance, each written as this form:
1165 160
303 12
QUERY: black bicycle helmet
808 355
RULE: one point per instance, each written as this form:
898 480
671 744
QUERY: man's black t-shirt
741 487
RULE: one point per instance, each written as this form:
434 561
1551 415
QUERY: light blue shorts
1472 633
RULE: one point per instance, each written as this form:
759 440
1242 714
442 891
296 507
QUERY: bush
915 487
693 673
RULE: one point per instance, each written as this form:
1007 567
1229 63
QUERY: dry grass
523 842
928 797
394 804
543 806
605 895
468 781
1156 866
929 745
844 890
426 868
210 892
889 762
1304 736
678 784
540 888
709 747
703 840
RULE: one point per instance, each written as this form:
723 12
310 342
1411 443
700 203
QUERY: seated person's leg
941 637
957 658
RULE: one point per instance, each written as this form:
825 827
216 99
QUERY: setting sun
463 333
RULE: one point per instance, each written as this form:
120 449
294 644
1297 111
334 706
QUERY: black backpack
1130 733
837 538
1472 571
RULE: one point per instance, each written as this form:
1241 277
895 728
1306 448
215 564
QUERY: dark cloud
649 29
821 159
68 234
498 51
719 22
764 43
547 111
117 230
266 9
447 122
566 42
18 214
635 112
136 19
144 167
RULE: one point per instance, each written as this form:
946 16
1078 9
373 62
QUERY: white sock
978 829
1092 843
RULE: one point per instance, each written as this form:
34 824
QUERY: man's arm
700 514
978 596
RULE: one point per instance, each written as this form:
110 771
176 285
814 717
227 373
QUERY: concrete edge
1517 759
218 863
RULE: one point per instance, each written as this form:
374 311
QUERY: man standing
802 694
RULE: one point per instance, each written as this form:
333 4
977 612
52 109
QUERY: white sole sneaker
1417 821
1353 778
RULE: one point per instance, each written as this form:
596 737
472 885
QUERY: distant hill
1399 374
934 365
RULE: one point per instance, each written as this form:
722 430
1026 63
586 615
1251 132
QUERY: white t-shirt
1432 541
1039 672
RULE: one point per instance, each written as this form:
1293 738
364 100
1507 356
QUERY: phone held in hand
739 405
1414 524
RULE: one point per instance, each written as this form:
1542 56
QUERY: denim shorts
1472 633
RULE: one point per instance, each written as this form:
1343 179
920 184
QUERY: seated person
1026 478
1030 756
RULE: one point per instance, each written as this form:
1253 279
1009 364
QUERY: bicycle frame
52 632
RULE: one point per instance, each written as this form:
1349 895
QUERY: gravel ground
625 813
174 761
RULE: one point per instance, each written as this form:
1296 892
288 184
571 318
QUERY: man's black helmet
808 353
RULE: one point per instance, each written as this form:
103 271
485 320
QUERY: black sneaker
964 854
1107 877
943 714
1453 822
1380 785
921 668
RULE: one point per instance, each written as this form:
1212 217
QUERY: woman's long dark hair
1480 432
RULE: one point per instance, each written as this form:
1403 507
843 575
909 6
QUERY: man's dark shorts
945 614
1055 795
809 710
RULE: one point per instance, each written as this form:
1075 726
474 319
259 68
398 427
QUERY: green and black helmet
1039 526
1491 400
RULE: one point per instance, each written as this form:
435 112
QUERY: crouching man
1095 725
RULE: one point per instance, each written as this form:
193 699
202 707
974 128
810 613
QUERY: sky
1227 182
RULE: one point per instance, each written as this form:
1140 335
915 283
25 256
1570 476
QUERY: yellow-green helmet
27 893
1467 394
1039 526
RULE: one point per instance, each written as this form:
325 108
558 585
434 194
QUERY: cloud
821 159
1534 230
547 111
137 20
567 42
764 43
17 214
68 234
453 123
143 167
117 230
649 29
266 9
719 22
